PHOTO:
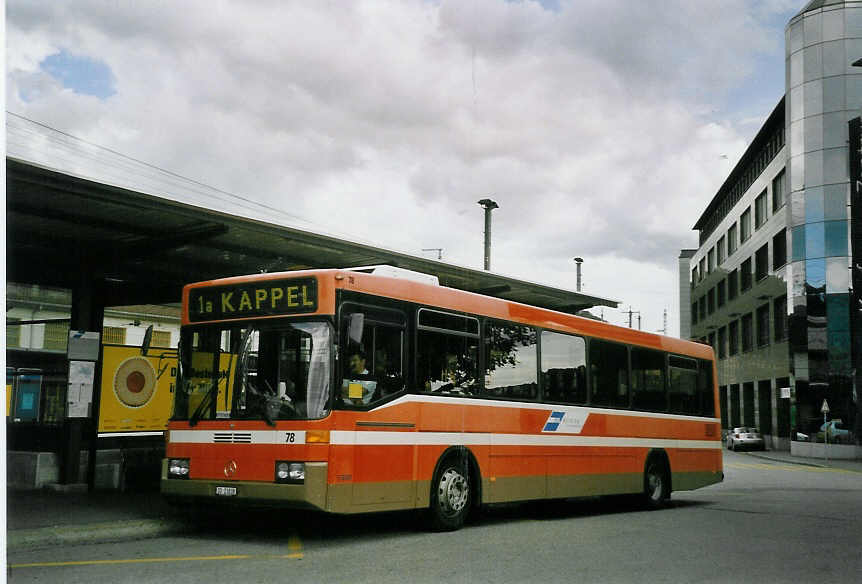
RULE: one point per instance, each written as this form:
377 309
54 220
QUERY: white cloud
592 126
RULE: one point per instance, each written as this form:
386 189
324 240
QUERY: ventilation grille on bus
232 437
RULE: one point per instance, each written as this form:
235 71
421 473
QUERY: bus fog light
282 471
297 471
289 472
178 468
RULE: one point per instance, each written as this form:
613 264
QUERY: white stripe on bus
365 438
375 438
237 436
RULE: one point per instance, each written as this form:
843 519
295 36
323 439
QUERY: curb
90 533
786 460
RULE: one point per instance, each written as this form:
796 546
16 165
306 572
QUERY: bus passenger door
372 354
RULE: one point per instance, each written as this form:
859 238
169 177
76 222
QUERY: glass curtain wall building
777 302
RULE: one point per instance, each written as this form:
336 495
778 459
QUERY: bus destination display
267 298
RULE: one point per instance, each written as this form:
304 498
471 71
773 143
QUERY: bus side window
387 360
447 352
564 368
682 385
609 374
380 351
648 380
510 360
447 363
705 389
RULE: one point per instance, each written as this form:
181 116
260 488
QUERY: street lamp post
578 262
489 206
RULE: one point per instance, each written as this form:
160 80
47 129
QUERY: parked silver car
744 437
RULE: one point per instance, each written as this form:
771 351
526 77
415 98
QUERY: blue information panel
27 394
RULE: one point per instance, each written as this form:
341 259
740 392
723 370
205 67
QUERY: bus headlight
289 472
178 468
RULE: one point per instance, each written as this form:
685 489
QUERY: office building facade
771 283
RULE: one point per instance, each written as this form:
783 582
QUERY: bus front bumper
310 494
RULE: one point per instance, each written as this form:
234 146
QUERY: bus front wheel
450 496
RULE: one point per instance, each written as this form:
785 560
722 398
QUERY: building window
702 309
13 332
56 335
720 250
702 272
710 301
720 295
747 333
161 339
710 261
732 241
733 338
694 279
745 275
779 249
113 335
732 284
761 210
745 226
761 263
694 313
778 184
763 325
722 342
780 310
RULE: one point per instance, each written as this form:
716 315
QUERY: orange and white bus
351 392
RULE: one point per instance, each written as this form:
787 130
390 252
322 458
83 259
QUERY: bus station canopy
76 211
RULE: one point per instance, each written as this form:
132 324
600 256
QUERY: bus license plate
226 491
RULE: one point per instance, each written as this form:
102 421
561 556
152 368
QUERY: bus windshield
271 371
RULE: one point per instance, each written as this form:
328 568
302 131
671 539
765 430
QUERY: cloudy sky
602 128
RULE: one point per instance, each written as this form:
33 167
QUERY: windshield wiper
205 403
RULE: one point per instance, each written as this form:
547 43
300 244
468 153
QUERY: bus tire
656 483
450 495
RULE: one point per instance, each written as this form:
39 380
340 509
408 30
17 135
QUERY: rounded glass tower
823 93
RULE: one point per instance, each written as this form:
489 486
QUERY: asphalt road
768 522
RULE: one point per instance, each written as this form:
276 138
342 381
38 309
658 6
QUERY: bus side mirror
148 338
355 328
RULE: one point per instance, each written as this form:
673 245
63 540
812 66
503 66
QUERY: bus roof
444 297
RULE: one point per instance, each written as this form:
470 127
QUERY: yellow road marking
294 546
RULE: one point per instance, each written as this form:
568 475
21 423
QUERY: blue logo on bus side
554 421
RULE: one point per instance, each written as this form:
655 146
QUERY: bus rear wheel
656 484
450 496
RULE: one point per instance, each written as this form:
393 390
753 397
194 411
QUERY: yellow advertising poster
137 391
